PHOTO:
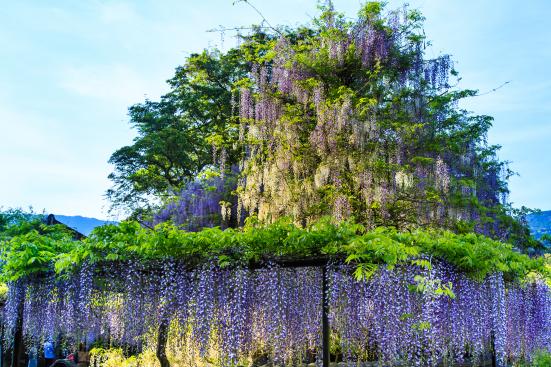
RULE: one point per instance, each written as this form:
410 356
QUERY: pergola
320 262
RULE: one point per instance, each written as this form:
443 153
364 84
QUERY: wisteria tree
341 118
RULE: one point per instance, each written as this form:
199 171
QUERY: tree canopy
176 135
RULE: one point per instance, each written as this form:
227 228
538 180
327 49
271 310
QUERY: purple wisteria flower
398 315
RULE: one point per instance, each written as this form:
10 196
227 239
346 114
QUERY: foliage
34 251
3 292
11 218
547 259
540 359
30 246
112 357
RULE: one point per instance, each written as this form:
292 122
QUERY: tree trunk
161 343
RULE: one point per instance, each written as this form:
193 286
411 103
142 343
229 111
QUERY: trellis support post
18 335
325 318
161 342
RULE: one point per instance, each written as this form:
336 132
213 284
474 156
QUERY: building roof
51 220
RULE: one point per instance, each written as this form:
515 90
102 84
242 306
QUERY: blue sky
69 70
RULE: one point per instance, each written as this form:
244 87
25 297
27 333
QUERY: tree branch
264 20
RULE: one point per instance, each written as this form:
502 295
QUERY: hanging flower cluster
204 202
383 319
420 314
225 314
528 320
401 317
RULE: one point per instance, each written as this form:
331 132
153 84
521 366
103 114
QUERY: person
83 356
33 357
71 357
49 352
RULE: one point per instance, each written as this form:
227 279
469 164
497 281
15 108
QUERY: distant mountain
540 223
83 225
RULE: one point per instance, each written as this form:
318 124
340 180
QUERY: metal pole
325 318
